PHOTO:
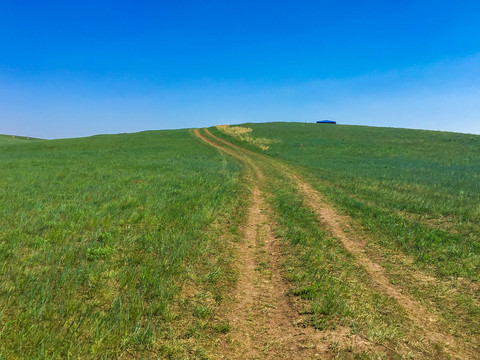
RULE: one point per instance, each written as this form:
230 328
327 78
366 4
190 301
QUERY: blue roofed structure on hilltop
326 122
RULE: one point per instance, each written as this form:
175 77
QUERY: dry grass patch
244 134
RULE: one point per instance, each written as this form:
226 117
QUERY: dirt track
264 320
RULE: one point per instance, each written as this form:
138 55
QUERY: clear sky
72 69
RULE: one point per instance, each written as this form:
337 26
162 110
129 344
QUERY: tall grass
99 235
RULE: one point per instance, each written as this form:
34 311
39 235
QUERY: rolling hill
276 240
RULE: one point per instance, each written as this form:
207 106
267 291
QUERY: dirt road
264 319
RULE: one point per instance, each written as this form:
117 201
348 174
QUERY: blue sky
80 68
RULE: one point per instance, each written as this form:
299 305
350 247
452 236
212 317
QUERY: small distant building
326 122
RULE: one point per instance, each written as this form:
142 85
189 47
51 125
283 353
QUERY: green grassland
124 245
414 195
11 139
339 292
418 189
114 245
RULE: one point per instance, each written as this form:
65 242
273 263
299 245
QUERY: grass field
10 139
99 237
419 188
414 197
128 245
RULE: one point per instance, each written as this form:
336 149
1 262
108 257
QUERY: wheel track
338 226
263 321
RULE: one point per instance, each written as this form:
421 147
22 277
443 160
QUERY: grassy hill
98 237
414 199
420 188
12 139
125 245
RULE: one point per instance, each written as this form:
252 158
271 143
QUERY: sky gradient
77 69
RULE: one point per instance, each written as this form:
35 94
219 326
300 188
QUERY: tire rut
263 322
338 226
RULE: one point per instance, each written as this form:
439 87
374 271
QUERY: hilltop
15 139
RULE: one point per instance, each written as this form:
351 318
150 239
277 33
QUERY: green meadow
414 196
419 191
12 139
114 245
125 245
